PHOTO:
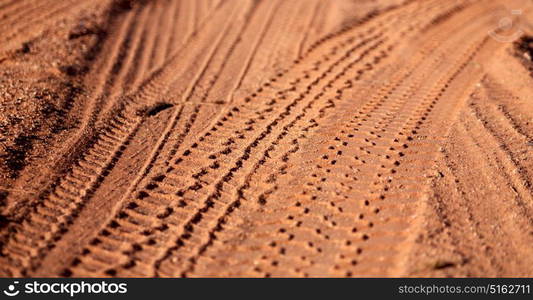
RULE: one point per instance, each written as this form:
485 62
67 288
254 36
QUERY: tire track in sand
316 172
115 225
164 79
284 232
101 157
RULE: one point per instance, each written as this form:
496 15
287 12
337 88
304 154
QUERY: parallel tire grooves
227 140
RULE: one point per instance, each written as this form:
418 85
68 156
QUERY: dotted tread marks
318 170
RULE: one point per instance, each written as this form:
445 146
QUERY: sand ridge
176 138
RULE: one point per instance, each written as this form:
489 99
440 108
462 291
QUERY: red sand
266 138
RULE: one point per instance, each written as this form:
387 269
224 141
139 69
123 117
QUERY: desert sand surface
273 138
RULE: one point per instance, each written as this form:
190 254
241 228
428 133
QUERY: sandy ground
301 138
